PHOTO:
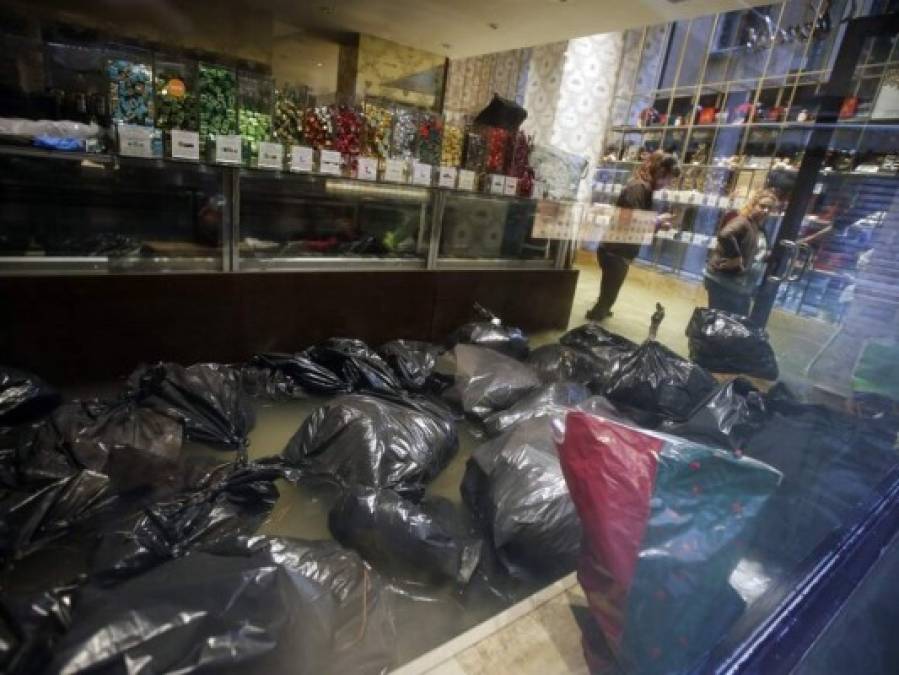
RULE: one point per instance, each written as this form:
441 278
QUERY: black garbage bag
207 398
607 348
502 112
489 331
728 418
392 533
559 363
547 400
656 380
396 443
724 342
234 499
484 380
24 396
80 434
270 383
303 372
357 364
514 486
412 361
280 606
30 624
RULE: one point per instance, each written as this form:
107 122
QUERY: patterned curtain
472 82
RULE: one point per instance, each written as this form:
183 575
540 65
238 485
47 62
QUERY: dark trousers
726 299
614 270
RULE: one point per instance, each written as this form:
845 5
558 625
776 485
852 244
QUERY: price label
271 156
301 158
466 179
617 188
422 174
367 168
538 190
227 149
497 184
329 162
694 197
447 177
510 188
665 195
818 189
185 145
395 171
710 200
603 187
723 202
135 141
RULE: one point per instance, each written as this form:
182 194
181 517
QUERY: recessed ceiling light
319 64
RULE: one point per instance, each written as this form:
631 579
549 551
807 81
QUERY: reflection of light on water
749 580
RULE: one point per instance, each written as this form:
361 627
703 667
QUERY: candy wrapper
451 150
177 105
405 130
318 128
378 123
429 139
288 118
218 101
497 150
130 92
348 130
475 151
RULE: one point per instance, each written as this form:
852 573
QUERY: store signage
447 177
135 141
271 156
329 162
510 187
185 145
301 158
422 174
556 220
466 179
395 171
367 168
497 184
227 149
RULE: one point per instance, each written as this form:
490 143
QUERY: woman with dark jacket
730 276
655 173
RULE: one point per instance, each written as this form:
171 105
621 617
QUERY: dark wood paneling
74 329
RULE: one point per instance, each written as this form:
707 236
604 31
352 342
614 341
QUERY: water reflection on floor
426 615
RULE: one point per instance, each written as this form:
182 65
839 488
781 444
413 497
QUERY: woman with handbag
655 173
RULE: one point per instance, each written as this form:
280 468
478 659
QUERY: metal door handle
801 249
793 249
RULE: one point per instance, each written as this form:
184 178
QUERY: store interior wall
471 82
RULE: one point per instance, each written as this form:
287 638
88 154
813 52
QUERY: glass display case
255 103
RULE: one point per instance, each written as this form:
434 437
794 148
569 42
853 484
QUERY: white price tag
301 158
185 145
395 171
367 168
227 149
537 190
271 156
135 141
603 187
710 200
497 184
694 197
329 162
723 202
447 177
422 174
818 189
466 179
617 188
665 195
510 188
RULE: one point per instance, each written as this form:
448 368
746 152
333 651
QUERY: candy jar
451 149
475 155
254 117
348 128
218 101
429 139
403 135
497 150
287 121
130 90
318 129
378 123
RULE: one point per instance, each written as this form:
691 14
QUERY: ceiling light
319 64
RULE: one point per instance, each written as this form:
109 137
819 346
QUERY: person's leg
614 270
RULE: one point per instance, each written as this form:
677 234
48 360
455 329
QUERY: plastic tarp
207 398
728 418
412 361
665 524
729 343
273 606
559 363
392 533
548 399
24 396
514 486
397 443
484 380
489 331
607 348
655 380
